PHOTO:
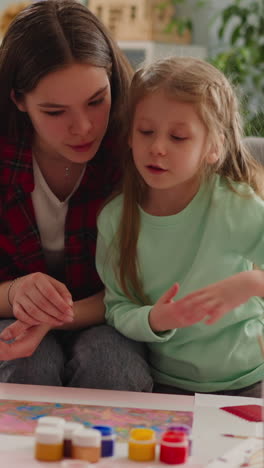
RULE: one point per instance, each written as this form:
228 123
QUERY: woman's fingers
22 315
40 298
31 314
14 330
56 293
25 344
44 305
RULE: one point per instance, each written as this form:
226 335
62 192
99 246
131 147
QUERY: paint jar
51 421
107 441
141 445
48 443
69 429
183 428
86 445
174 447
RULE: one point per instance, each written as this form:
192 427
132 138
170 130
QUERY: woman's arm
36 298
87 312
6 311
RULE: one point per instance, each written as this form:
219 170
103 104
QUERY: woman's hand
39 298
208 304
26 340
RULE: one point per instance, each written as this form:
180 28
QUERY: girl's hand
167 314
26 340
39 298
219 298
209 303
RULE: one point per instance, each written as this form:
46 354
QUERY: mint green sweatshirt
219 234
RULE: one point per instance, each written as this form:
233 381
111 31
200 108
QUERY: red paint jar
174 448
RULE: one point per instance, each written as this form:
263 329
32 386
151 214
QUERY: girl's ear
19 103
215 151
212 157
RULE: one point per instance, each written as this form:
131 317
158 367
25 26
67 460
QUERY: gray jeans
96 357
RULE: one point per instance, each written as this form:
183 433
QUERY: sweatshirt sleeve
128 318
245 219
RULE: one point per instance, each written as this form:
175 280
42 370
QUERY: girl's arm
128 317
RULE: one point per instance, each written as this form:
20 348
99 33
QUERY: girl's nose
158 147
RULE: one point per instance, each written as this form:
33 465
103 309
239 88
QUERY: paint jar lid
51 421
86 437
181 428
142 435
49 435
75 464
70 428
174 438
105 430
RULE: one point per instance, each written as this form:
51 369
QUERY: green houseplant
241 36
242 31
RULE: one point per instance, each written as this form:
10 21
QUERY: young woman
189 224
63 88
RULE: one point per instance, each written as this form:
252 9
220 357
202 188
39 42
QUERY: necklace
67 169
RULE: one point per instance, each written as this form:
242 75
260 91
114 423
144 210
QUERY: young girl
63 89
189 223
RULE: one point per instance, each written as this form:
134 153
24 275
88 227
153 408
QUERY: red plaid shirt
20 246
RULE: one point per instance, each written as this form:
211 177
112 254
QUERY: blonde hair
188 80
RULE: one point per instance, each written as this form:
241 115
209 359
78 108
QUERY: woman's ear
19 103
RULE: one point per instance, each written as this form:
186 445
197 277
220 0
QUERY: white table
209 421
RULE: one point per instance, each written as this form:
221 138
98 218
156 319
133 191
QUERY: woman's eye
96 102
146 132
53 113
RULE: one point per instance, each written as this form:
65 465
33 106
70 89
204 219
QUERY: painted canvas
20 417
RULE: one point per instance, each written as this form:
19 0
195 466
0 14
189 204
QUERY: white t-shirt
50 215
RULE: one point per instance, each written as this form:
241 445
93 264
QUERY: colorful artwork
20 417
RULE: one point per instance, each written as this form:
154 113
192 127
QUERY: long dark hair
49 35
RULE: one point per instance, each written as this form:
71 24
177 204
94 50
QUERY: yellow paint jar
86 445
48 443
141 445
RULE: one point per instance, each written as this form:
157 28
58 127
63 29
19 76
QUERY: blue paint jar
107 441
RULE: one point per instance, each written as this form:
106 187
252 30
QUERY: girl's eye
174 137
53 113
96 102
